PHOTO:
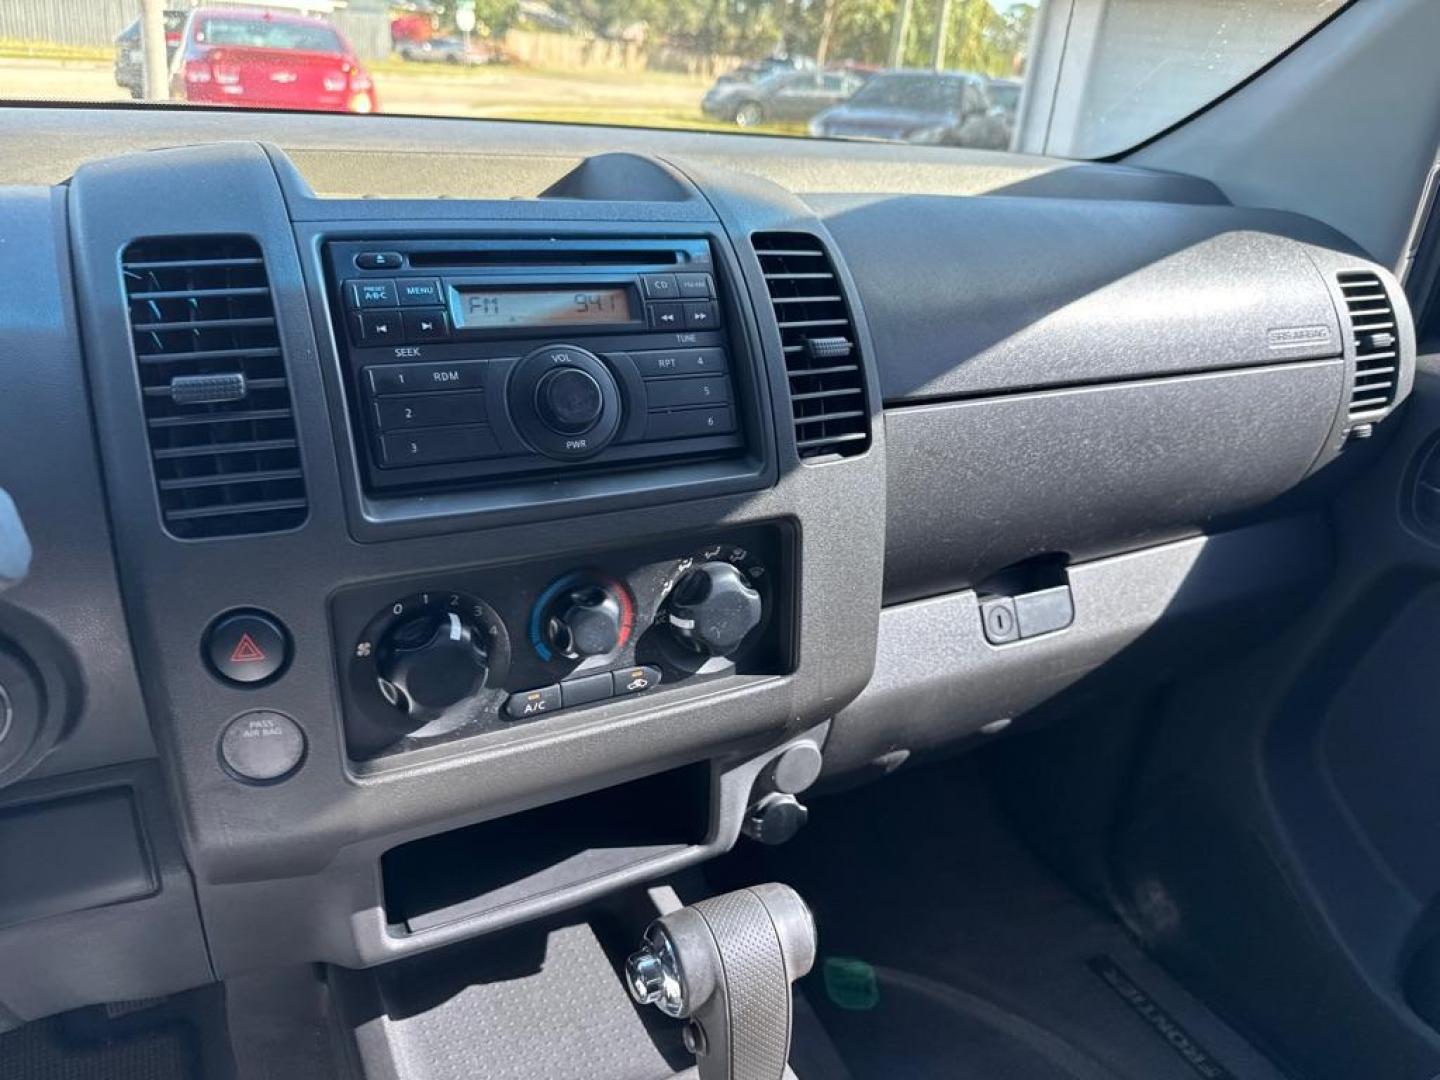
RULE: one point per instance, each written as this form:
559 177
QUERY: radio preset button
419 292
419 378
663 362
660 286
379 327
667 316
371 294
673 393
425 324
435 445
695 286
689 423
701 314
429 410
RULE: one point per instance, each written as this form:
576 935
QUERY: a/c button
533 702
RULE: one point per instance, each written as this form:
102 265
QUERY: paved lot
513 93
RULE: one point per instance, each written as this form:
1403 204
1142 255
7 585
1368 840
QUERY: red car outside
269 60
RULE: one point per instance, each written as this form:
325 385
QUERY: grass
676 118
13 49
645 99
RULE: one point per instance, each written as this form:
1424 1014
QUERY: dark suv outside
130 54
945 108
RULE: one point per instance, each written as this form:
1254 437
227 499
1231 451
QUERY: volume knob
569 401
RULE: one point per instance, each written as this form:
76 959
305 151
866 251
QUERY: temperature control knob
712 608
587 622
430 663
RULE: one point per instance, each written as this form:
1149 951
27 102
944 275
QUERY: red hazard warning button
246 647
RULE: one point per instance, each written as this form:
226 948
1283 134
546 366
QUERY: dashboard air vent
1377 344
212 375
822 361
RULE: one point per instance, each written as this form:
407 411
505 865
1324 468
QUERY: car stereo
487 359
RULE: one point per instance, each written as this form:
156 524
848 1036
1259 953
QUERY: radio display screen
489 308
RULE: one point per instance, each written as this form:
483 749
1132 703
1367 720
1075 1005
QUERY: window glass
1075 78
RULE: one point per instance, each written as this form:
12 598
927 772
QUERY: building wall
96 22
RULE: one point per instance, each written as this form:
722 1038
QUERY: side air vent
822 361
217 404
1377 344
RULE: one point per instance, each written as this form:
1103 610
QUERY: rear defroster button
636 679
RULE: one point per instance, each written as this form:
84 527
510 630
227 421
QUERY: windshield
1073 78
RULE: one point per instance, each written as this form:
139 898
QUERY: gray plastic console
289 871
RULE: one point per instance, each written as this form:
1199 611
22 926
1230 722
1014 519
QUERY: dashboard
409 567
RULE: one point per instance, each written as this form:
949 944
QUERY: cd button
660 286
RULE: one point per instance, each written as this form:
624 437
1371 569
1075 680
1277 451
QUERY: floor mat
985 964
45 1051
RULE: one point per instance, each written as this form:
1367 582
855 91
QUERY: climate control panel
460 654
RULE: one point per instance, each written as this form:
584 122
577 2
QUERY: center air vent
822 361
1377 344
217 404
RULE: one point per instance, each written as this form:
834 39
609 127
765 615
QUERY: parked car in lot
269 60
754 70
445 50
784 95
130 52
947 108
1005 101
